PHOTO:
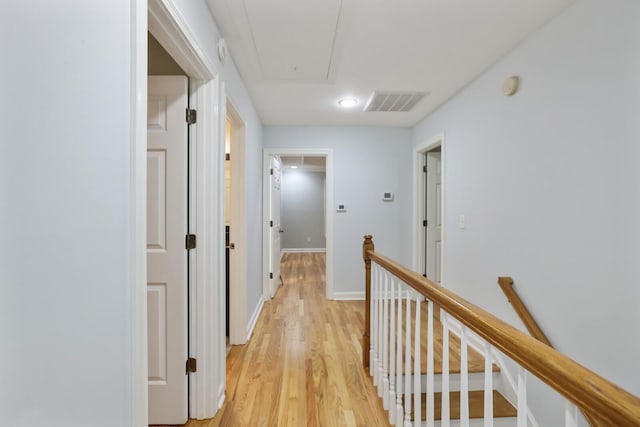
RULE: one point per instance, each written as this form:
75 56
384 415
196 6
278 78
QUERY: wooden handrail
506 284
586 389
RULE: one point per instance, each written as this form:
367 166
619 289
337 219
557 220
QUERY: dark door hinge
190 241
191 116
191 365
425 169
271 171
270 275
270 223
425 223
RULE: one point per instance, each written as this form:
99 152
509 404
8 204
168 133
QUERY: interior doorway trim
238 323
164 20
419 202
311 152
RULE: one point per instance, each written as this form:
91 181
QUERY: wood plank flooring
303 364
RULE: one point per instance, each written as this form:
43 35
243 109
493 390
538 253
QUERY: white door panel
434 217
166 254
274 203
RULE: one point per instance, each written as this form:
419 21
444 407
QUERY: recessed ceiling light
294 167
348 102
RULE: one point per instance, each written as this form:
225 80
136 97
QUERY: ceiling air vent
393 101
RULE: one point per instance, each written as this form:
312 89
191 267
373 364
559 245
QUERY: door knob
232 245
281 231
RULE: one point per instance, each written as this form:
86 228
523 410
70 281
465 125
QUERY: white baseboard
254 319
348 296
304 250
221 399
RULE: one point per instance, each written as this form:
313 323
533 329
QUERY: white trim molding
419 202
138 220
167 24
254 319
238 319
349 296
169 27
304 250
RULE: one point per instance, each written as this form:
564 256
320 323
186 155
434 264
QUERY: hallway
303 364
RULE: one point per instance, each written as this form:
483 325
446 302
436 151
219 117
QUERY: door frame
272 286
310 152
419 202
238 220
163 19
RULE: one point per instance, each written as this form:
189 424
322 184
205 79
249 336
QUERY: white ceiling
298 57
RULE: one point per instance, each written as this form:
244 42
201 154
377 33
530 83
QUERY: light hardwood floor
303 364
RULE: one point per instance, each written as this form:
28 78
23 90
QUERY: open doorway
303 204
203 336
235 223
298 198
429 209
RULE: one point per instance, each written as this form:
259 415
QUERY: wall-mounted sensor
341 208
387 197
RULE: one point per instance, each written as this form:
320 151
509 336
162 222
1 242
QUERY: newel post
367 246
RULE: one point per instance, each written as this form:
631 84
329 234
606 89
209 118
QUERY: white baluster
392 353
446 417
399 408
380 338
430 368
570 415
373 362
385 344
372 323
407 364
464 380
522 397
417 369
488 385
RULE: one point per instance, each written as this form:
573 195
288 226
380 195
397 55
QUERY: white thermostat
387 197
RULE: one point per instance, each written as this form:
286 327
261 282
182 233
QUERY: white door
166 254
275 225
433 244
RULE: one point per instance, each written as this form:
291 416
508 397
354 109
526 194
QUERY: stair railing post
367 246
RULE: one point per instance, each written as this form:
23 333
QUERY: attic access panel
294 40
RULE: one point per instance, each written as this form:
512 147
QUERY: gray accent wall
367 162
302 209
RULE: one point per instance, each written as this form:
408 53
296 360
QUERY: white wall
367 163
66 212
66 277
549 182
303 209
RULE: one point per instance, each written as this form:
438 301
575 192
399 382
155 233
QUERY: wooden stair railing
593 394
506 284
